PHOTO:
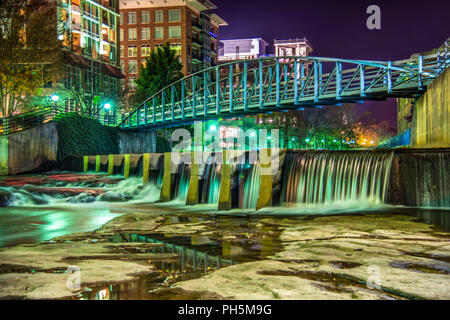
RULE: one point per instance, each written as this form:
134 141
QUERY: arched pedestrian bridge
281 83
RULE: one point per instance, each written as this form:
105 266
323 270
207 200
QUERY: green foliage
162 68
83 136
162 145
30 54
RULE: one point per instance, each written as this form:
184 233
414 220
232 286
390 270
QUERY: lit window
121 34
159 16
122 51
131 17
176 47
132 83
175 32
174 15
145 34
132 34
159 33
145 17
145 51
132 51
121 18
132 66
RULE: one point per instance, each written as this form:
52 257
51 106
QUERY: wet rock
422 267
81 198
6 197
112 196
345 264
28 197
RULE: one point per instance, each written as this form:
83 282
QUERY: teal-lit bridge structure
273 84
263 85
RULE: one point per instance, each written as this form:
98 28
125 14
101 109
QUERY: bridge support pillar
98 160
166 189
126 166
145 168
193 192
266 186
225 186
110 164
4 156
85 163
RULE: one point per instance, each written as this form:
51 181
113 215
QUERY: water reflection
20 225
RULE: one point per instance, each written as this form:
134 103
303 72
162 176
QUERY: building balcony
196 58
76 8
105 58
197 26
196 42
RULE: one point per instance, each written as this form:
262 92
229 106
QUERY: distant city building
188 25
292 48
242 49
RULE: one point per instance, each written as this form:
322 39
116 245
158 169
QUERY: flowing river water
38 208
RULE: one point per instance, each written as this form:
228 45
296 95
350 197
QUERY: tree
30 52
162 68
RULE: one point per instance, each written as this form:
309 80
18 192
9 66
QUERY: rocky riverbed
363 256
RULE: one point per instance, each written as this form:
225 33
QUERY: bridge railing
271 84
443 57
401 140
31 119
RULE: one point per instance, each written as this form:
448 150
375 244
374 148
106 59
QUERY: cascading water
251 188
182 182
336 177
211 185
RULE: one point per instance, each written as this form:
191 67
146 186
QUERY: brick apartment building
188 25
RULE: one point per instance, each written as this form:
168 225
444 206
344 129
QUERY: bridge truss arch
281 83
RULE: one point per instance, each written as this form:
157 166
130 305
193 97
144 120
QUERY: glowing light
307 140
107 106
55 98
213 128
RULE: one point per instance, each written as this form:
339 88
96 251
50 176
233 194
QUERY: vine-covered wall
83 136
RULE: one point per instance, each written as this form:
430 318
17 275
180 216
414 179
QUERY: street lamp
107 106
55 99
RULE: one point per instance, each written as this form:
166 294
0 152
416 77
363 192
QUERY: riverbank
331 257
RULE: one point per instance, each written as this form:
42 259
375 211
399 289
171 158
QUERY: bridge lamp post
55 99
107 107
307 143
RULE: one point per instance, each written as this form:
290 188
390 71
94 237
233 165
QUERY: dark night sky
337 28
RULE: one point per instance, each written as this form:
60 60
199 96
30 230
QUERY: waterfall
159 179
211 184
333 177
251 187
182 183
